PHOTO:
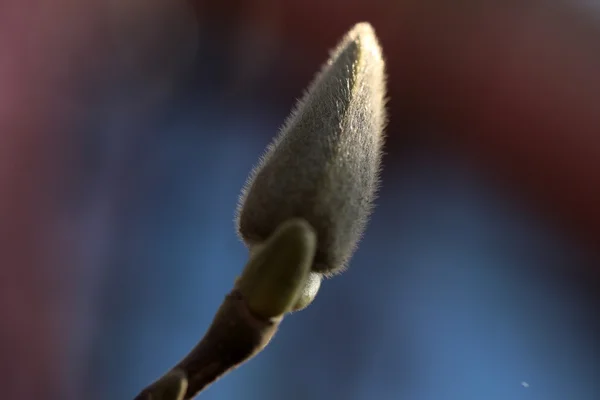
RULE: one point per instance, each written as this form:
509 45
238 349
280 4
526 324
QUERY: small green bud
274 280
309 292
324 164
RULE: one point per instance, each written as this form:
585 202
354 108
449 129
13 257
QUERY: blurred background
127 129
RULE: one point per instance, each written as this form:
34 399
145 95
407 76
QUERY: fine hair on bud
324 164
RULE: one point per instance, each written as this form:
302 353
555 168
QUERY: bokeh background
127 129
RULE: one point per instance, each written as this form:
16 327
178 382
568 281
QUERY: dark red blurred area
513 85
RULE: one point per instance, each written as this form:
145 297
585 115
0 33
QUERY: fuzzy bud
324 164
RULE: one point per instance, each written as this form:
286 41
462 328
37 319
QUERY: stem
235 335
276 281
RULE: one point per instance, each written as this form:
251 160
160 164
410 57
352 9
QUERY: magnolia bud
324 164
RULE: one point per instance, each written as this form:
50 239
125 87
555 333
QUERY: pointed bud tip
364 34
362 28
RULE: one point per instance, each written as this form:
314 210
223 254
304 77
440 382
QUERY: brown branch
235 336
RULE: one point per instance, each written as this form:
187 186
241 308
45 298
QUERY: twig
235 335
275 281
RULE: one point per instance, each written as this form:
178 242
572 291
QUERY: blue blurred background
127 131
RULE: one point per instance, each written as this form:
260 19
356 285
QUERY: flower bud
324 164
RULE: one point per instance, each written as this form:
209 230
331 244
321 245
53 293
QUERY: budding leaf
324 164
275 279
